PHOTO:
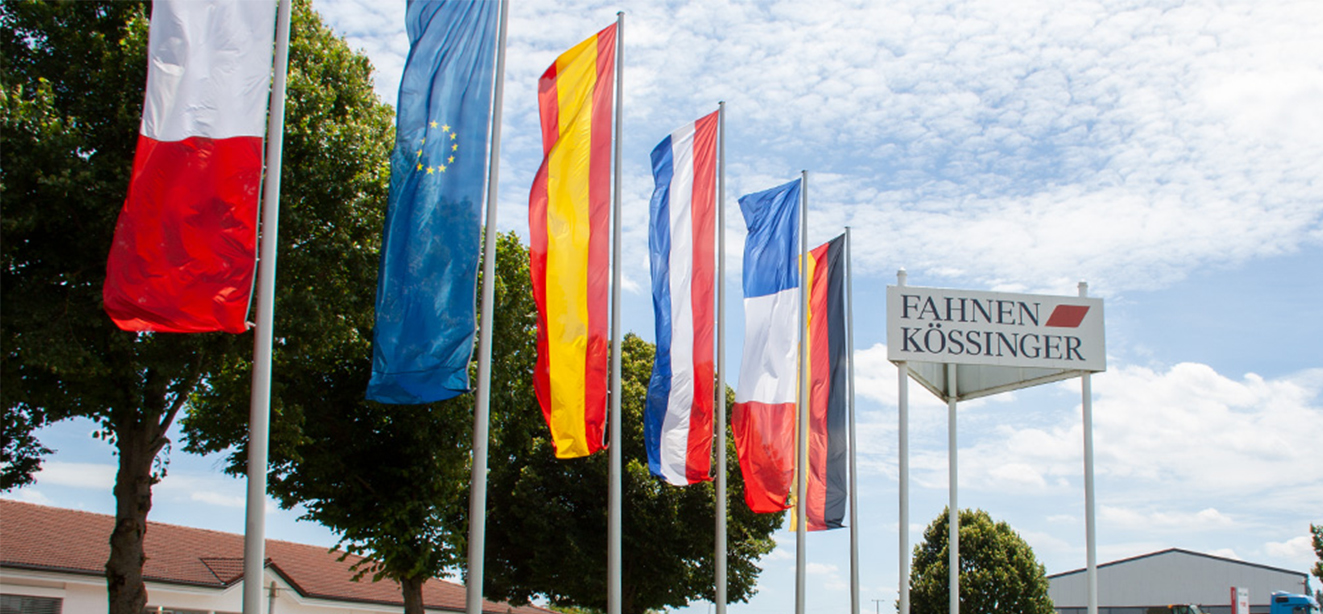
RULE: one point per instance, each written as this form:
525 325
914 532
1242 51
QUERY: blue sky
1168 153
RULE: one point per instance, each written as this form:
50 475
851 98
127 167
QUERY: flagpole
613 522
482 406
801 436
854 488
259 411
719 438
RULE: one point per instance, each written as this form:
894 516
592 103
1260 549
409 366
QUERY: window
23 604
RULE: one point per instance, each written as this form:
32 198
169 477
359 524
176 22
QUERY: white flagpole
719 438
613 566
854 488
259 410
482 406
801 437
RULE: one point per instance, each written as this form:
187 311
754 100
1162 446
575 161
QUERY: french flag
185 246
677 422
763 419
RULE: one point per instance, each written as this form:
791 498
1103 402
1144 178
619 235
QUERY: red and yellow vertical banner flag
569 209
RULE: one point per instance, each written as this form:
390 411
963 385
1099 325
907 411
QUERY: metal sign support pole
1090 533
953 514
904 470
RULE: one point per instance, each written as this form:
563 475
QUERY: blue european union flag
425 319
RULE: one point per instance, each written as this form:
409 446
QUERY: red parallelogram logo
1067 316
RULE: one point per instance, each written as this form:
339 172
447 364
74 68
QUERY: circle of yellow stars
447 135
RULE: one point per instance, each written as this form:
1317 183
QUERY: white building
52 561
1173 576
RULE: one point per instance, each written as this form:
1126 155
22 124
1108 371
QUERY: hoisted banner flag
185 246
425 314
763 420
569 207
827 435
677 417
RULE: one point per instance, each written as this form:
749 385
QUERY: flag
677 417
763 419
827 436
185 247
568 210
427 284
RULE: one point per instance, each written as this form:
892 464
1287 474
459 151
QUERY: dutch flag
677 422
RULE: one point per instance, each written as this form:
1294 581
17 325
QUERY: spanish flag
568 211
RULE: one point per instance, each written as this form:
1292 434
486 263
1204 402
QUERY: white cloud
1165 521
1299 549
96 476
1185 430
1019 146
28 495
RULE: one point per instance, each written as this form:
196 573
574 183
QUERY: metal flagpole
801 437
482 405
719 438
1090 533
953 514
259 411
903 400
854 487
613 566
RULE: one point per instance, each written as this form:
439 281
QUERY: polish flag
185 248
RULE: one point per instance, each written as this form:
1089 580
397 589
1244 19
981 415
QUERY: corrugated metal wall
1173 576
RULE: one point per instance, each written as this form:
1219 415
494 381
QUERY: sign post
966 344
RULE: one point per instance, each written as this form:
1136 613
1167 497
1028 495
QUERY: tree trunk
412 588
137 442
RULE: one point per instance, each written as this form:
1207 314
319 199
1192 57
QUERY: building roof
38 537
1179 551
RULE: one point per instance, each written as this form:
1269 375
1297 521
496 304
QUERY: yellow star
444 128
419 153
423 141
429 170
420 166
443 168
433 124
453 136
451 160
454 147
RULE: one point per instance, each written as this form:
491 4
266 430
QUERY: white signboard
938 325
1240 600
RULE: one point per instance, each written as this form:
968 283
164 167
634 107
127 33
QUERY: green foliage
1316 533
72 92
546 528
392 480
998 571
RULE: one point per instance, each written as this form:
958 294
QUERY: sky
1168 153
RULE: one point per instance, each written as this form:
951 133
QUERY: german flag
568 211
827 436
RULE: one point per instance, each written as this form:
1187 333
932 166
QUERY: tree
1316 532
391 480
998 571
72 87
546 528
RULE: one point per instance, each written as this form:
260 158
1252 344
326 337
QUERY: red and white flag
185 247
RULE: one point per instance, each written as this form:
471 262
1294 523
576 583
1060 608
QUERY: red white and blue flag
677 422
763 419
185 248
